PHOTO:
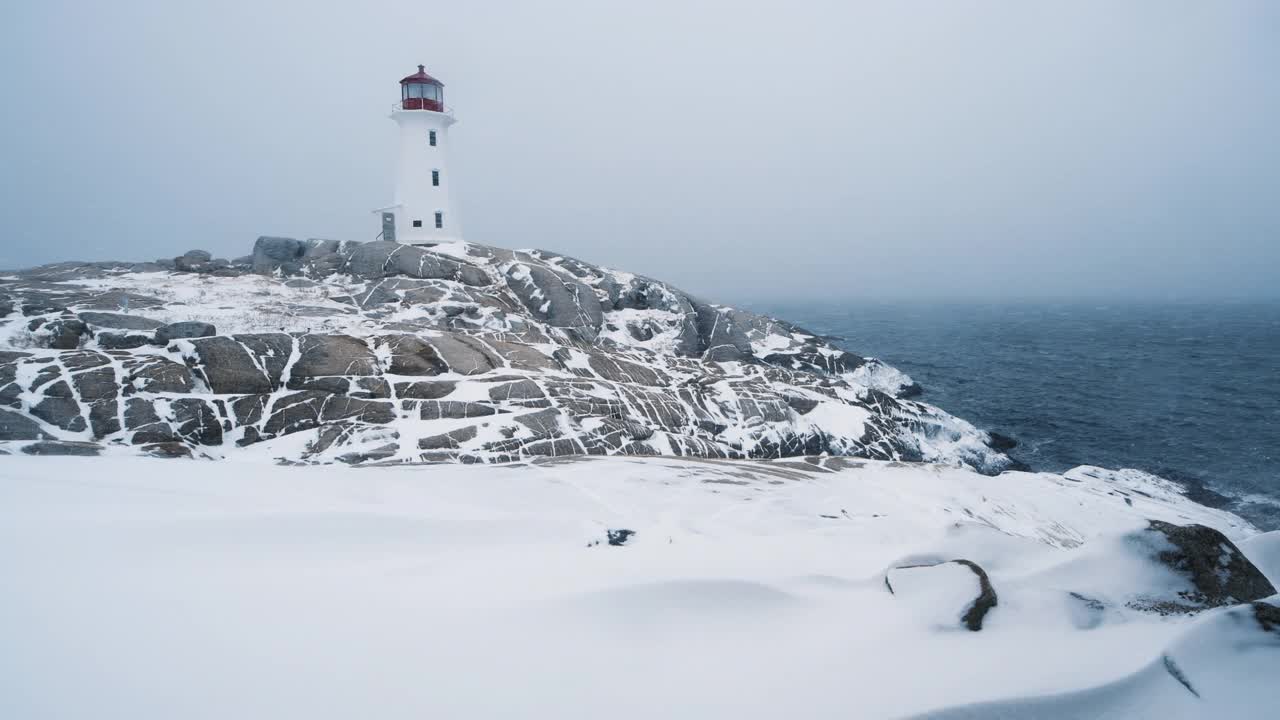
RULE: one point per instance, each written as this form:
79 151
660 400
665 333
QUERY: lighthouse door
389 226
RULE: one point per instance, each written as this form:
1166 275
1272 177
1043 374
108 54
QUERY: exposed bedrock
447 352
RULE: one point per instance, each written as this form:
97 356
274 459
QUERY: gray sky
742 150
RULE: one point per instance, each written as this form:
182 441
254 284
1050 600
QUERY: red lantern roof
421 77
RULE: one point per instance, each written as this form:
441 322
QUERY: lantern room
420 91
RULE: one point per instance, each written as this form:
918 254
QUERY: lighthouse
423 212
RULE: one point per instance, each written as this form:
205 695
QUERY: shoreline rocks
464 352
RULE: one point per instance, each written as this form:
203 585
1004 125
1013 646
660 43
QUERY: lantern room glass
420 91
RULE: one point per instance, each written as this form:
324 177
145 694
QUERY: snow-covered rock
1223 666
455 352
1263 550
953 592
137 587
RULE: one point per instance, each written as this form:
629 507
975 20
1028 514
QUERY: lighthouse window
439 220
417 223
435 178
431 138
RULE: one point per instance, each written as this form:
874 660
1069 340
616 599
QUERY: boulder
329 384
194 261
1216 571
386 259
271 254
117 299
545 447
81 360
16 426
272 352
65 333
372 387
36 304
721 335
96 384
184 330
947 593
59 407
611 367
519 356
63 447
544 423
241 364
999 441
144 424
802 405
464 355
10 390
45 375
104 417
119 321
167 450
815 358
375 295
453 409
557 300
518 391
619 537
451 440
309 409
334 355
411 355
155 374
123 341
425 389
382 452
196 421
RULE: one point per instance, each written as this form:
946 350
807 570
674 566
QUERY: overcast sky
742 150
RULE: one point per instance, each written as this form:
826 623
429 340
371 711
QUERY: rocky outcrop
454 352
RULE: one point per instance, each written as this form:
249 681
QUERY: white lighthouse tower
424 211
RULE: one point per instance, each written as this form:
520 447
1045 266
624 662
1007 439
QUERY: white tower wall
418 198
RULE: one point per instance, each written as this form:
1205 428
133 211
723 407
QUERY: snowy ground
144 588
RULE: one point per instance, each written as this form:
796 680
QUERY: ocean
1190 392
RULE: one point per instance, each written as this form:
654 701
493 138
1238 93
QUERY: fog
741 150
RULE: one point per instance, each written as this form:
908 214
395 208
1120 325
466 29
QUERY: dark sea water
1188 391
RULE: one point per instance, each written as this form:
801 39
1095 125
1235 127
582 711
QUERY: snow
839 419
1220 667
1264 551
878 376
664 325
939 594
137 587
